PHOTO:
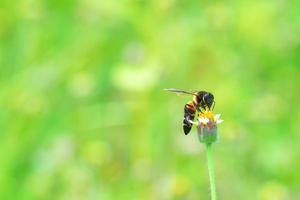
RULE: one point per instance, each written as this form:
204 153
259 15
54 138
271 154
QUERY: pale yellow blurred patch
31 9
187 145
255 21
96 153
171 186
231 131
180 186
82 84
273 190
27 102
267 107
143 170
219 16
93 11
136 78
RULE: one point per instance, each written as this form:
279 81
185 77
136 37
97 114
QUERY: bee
202 101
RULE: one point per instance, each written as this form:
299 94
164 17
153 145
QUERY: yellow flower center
207 114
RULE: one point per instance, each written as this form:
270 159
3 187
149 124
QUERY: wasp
202 101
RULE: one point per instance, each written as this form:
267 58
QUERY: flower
207 126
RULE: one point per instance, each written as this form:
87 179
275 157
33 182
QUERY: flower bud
207 127
207 133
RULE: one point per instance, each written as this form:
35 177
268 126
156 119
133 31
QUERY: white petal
192 122
217 116
203 120
219 121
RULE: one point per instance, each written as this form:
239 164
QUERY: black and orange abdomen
189 114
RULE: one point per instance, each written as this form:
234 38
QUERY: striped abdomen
189 114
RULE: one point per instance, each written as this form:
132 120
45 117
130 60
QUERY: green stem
211 174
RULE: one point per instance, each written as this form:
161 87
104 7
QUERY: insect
202 101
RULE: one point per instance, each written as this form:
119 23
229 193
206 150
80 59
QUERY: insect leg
213 105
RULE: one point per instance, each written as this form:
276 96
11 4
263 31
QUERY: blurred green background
83 114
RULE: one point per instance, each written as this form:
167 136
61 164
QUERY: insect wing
179 92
